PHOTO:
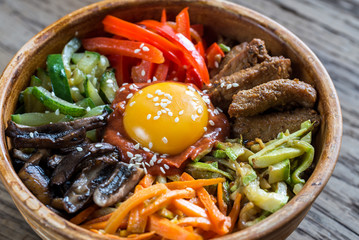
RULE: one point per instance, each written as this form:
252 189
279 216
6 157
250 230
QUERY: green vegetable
247 173
276 156
200 166
219 154
269 201
232 150
98 110
38 119
85 103
35 81
224 47
280 187
45 79
70 48
31 103
297 187
76 57
92 135
60 84
108 86
92 92
88 62
279 172
306 162
52 102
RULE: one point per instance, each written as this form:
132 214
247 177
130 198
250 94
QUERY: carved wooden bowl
226 18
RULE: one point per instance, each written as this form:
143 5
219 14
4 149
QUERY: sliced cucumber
38 119
45 79
92 92
98 111
70 48
76 94
279 172
52 102
31 103
35 81
60 84
108 86
85 103
76 57
78 77
88 62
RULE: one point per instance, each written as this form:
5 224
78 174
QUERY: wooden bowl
226 18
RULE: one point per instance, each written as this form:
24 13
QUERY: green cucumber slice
88 62
52 102
85 103
38 119
70 48
92 92
108 86
60 84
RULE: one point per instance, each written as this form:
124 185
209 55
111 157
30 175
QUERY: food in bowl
171 157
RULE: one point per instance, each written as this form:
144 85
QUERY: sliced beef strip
222 91
267 126
272 94
249 55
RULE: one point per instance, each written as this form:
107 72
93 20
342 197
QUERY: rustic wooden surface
331 30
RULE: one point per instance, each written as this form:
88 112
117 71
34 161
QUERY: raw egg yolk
166 117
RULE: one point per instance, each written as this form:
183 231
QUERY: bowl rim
293 208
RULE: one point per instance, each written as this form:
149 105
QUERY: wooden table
329 27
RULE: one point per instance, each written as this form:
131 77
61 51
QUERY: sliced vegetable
214 55
194 183
306 161
92 92
38 119
190 209
247 173
279 172
183 23
70 48
85 103
31 103
60 84
54 103
108 86
224 47
201 166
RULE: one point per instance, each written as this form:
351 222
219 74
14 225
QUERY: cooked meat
122 181
69 164
56 135
83 187
267 126
35 179
222 91
228 57
272 94
244 56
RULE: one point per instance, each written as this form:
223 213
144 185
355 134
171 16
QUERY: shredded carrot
200 222
194 183
235 211
189 208
170 230
99 219
133 201
197 202
144 236
220 222
221 204
136 222
166 198
83 215
147 180
98 225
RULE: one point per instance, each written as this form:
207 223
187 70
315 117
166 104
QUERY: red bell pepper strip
192 57
142 72
128 48
161 72
200 48
214 55
164 16
183 24
135 32
121 64
198 28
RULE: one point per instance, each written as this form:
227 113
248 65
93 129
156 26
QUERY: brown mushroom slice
68 165
122 181
83 187
18 154
272 94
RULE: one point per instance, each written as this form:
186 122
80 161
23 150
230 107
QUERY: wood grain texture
329 27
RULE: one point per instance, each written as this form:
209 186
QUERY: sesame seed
205 91
124 84
53 94
216 111
194 117
145 49
155 99
151 163
157 104
154 158
175 79
137 146
146 149
142 44
143 72
164 140
176 119
205 129
191 88
137 50
47 111
180 112
216 64
129 96
131 104
235 85
211 122
162 170
121 89
219 109
159 160
31 134
131 87
79 149
163 105
154 79
150 145
98 145
199 110
148 116
156 117
88 109
222 84
57 112
147 164
158 92
166 166
140 92
101 118
149 80
149 95
170 113
229 86
169 96
144 168
130 154
109 81
164 111
74 88
159 113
